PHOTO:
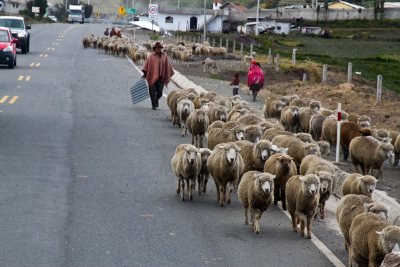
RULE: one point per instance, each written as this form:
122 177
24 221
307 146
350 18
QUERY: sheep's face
279 105
265 183
204 157
239 135
310 184
191 155
285 163
369 183
311 149
186 108
390 238
200 116
315 105
378 208
326 183
221 115
231 154
295 112
364 124
264 154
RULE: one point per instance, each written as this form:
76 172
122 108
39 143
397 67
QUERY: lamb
254 192
254 155
197 125
253 133
371 238
210 65
217 136
186 164
369 153
226 166
350 206
302 199
357 184
396 151
185 108
202 177
273 108
348 131
283 167
290 118
325 190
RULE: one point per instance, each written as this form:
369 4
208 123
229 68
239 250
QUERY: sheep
349 207
172 102
273 108
314 164
253 133
287 99
369 153
297 102
329 132
217 112
305 137
215 124
238 114
250 119
225 166
200 101
210 65
371 238
357 184
86 41
283 167
185 108
202 177
197 125
315 105
396 151
290 118
316 122
231 124
217 136
269 134
325 190
364 121
348 131
186 164
297 149
380 134
254 192
391 259
324 148
254 155
302 200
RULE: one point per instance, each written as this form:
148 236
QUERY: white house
13 6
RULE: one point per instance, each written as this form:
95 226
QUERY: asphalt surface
86 176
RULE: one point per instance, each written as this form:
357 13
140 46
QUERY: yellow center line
12 101
4 99
20 78
38 64
28 78
32 64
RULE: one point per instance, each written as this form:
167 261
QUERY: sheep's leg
218 192
276 195
178 187
252 218
190 188
379 173
257 217
283 199
222 190
345 153
193 141
183 190
322 209
230 189
246 218
183 129
200 141
199 183
396 159
308 227
294 223
205 180
302 226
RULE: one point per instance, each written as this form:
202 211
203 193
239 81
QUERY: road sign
121 10
153 11
131 10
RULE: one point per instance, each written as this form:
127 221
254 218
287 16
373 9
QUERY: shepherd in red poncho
158 71
255 79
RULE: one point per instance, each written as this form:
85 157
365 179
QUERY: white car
53 18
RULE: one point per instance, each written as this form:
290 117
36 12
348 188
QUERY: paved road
86 177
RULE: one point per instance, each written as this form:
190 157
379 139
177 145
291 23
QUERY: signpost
131 11
153 11
122 10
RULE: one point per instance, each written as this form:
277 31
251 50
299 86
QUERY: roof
240 8
347 4
11 17
392 5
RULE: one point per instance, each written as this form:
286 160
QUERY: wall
181 22
215 25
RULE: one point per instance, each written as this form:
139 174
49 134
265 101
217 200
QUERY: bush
154 37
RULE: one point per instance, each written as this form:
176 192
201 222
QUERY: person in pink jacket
255 79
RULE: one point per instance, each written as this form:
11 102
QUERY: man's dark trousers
156 92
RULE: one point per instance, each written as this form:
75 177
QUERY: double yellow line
6 97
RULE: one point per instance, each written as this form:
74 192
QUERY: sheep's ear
379 232
273 177
220 146
301 178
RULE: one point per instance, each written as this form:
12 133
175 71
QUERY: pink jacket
255 76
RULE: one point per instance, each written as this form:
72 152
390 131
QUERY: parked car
53 18
8 49
19 30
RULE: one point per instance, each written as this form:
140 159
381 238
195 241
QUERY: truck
76 13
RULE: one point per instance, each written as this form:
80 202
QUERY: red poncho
157 67
255 76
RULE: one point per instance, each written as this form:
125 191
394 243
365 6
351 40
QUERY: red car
8 48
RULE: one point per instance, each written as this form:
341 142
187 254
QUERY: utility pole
205 22
258 15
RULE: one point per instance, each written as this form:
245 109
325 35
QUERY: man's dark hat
157 44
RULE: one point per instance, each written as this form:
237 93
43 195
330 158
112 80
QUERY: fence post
226 44
269 56
213 42
208 39
324 73
234 47
241 49
339 118
277 63
220 42
251 49
349 72
294 56
304 77
379 89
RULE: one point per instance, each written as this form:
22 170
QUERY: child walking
235 84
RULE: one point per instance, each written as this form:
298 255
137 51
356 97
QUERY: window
278 28
169 19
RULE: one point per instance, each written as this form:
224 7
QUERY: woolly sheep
315 105
253 133
369 153
184 109
254 155
364 121
250 119
305 137
325 190
290 118
202 177
217 112
238 114
273 108
297 102
269 134
217 136
283 167
197 125
324 148
314 164
304 118
186 164
287 99
302 200
357 184
215 124
210 65
172 102
397 151
200 101
391 259
225 166
349 130
371 238
255 192
329 132
231 124
316 122
349 207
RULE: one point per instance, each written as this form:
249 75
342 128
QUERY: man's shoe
157 104
154 108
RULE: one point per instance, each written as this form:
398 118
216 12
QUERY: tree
88 10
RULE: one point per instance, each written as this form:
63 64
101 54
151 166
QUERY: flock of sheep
279 156
275 157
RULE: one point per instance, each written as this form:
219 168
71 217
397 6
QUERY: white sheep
254 155
210 65
186 164
255 192
357 184
197 125
290 118
217 136
184 108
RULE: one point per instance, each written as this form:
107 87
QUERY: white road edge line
133 64
329 254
